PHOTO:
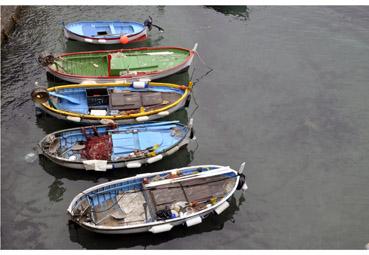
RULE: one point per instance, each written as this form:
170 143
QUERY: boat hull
88 119
142 76
113 40
139 229
118 164
163 225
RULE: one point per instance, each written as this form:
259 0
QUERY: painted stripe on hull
114 40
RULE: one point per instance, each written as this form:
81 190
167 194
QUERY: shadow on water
239 11
212 223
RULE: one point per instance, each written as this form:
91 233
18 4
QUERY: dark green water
288 94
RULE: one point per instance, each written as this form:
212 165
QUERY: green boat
118 65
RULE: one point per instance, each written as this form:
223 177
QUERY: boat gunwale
157 223
187 59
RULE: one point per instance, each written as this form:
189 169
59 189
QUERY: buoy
160 228
123 39
133 164
40 95
221 208
193 221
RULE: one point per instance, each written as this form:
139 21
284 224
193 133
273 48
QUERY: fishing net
98 147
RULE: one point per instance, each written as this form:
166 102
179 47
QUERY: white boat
156 202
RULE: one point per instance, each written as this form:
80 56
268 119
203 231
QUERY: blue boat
115 146
109 32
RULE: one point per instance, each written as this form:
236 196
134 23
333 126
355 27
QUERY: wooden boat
118 65
115 146
112 102
155 202
108 32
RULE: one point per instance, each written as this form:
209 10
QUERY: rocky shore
9 19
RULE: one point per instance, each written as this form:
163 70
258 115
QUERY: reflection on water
237 10
212 223
56 191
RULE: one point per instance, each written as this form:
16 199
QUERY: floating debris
30 157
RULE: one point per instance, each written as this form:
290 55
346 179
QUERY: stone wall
9 19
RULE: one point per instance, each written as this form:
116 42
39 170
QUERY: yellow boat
112 102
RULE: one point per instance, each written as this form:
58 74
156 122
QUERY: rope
202 76
203 61
195 101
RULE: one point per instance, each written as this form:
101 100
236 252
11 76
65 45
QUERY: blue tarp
78 95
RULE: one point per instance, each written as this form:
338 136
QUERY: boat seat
125 101
112 29
167 195
151 98
150 204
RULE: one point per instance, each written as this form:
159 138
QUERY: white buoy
221 208
142 118
134 164
161 228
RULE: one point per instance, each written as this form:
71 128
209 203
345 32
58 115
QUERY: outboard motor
148 23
